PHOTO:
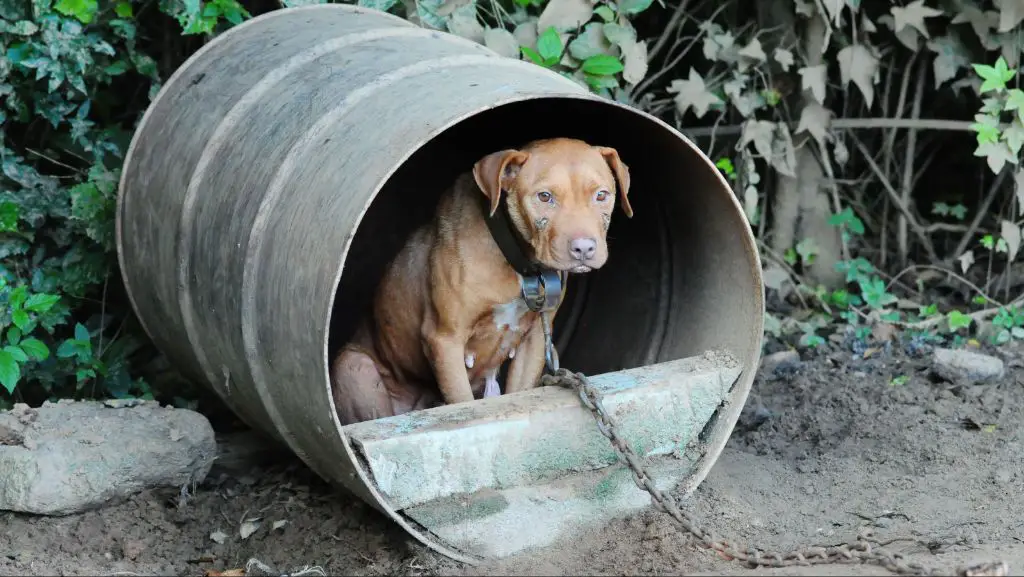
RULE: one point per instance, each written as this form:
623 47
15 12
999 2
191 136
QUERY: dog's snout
583 248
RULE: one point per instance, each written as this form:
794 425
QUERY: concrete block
533 465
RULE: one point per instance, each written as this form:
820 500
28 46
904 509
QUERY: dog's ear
491 172
621 172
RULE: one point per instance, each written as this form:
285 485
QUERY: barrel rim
743 384
740 390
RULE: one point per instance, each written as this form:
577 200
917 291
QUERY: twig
918 230
949 272
979 215
908 163
850 124
669 28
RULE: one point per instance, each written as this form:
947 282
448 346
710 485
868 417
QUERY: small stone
782 359
958 365
80 456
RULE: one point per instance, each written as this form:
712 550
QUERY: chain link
861 551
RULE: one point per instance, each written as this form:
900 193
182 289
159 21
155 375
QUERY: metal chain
859 552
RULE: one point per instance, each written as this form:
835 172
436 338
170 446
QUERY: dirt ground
824 450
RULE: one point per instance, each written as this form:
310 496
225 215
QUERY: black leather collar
542 287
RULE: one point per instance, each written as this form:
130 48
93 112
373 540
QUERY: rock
782 359
71 457
959 365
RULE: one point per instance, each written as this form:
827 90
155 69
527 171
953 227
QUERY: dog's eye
544 196
601 196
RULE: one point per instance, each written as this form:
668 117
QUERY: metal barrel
285 162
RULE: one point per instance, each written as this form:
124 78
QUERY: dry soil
825 450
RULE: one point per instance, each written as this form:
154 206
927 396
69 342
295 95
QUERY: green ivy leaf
24 28
602 65
81 333
67 349
20 319
123 9
634 6
9 216
16 352
35 348
10 371
852 222
532 55
605 12
41 303
995 77
13 335
957 320
83 10
549 46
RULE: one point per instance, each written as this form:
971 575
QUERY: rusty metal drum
285 162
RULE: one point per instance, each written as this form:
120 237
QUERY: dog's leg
447 356
528 363
359 391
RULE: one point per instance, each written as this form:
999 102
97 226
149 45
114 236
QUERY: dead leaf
248 528
750 202
907 35
464 23
815 119
966 260
634 57
784 58
501 41
813 78
1018 180
859 65
218 537
719 45
840 152
590 42
1010 232
526 34
950 57
754 51
225 573
804 8
997 155
1011 12
913 14
1009 46
783 157
618 34
884 332
867 25
774 276
983 22
834 9
761 133
565 14
692 93
448 7
278 524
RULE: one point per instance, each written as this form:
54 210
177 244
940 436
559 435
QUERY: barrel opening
677 282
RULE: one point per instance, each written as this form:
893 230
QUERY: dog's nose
583 248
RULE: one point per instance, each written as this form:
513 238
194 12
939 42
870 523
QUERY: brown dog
450 309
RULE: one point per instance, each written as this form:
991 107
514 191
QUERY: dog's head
560 194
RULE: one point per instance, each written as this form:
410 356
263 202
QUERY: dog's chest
498 333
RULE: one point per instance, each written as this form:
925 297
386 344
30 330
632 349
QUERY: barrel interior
679 278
